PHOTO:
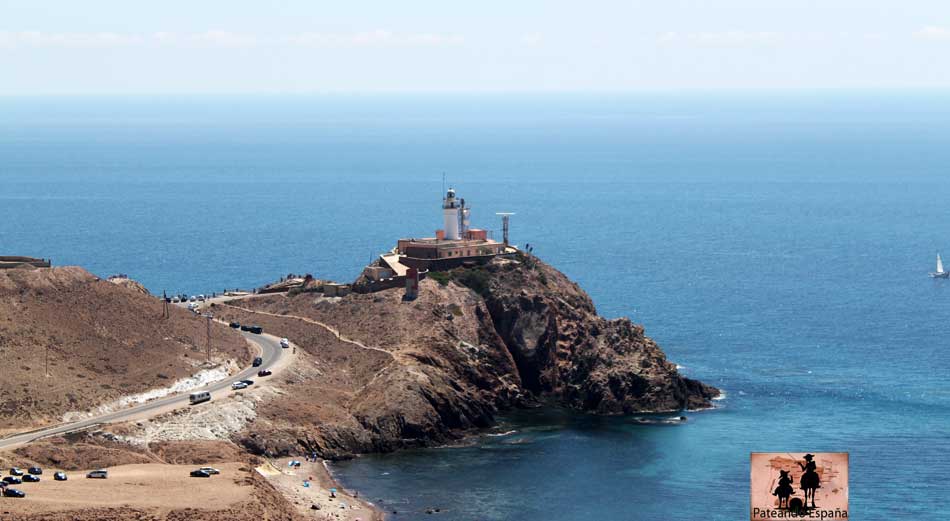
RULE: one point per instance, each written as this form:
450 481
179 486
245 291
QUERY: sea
776 244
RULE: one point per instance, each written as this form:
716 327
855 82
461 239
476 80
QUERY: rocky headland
377 372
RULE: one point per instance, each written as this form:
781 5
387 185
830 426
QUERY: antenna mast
504 224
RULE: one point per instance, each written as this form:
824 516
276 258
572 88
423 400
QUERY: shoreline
310 488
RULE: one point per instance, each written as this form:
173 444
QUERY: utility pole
209 316
165 300
47 359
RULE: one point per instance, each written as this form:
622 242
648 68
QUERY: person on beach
810 480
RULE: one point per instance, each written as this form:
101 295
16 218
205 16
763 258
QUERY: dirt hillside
104 341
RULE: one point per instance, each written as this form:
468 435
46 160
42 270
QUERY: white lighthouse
450 212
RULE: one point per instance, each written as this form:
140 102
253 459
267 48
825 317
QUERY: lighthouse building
456 244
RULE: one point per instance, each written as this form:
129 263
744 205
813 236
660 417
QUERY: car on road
200 474
235 325
257 361
264 372
210 470
12 480
248 382
256 329
35 470
16 472
30 478
12 492
98 474
238 386
245 327
284 343
60 476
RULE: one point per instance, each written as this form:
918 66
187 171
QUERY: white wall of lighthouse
450 213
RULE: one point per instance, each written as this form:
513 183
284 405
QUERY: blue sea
775 244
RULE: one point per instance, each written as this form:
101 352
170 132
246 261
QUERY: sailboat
940 274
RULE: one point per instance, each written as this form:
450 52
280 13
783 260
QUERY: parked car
12 480
16 472
264 372
210 470
60 476
98 474
245 327
31 478
238 386
200 474
12 492
256 329
248 382
201 298
284 343
35 471
235 325
257 361
193 298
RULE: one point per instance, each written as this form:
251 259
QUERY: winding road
271 352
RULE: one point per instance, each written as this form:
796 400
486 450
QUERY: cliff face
377 373
563 349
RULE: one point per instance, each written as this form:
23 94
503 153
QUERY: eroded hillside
104 340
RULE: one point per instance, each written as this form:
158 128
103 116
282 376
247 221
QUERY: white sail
939 264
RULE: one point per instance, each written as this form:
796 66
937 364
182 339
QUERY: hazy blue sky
238 46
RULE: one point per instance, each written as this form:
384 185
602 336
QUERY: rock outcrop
563 349
377 373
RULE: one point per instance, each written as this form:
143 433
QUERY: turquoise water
775 245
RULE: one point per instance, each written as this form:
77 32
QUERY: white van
199 397
98 474
284 343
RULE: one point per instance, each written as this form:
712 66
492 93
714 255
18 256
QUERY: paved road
270 352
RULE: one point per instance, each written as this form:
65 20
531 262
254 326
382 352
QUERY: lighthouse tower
450 212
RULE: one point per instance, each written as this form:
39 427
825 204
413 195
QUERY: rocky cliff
377 373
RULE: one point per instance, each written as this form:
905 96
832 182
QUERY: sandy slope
105 341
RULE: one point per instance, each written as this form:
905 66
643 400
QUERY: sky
296 46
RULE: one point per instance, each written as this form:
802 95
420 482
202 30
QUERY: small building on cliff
12 261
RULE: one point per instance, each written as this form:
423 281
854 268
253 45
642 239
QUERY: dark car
200 474
12 492
36 471
264 372
11 480
248 382
60 476
245 327
235 325
31 478
257 361
16 472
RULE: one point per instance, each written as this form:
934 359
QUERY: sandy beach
308 488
